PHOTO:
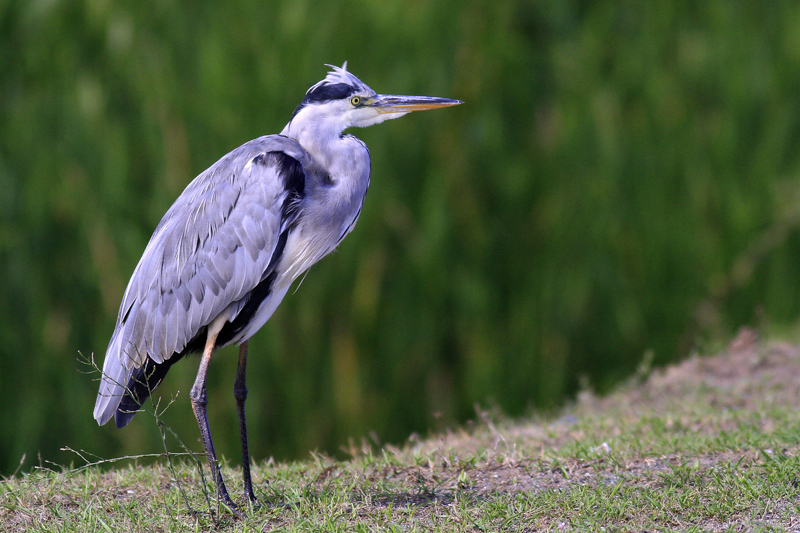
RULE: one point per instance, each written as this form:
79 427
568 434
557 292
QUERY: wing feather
211 249
184 295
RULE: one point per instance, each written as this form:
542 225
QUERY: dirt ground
747 371
747 375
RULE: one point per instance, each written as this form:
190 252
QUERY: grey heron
226 252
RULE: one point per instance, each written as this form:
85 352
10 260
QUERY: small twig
157 413
107 461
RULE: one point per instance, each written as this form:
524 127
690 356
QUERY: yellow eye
356 101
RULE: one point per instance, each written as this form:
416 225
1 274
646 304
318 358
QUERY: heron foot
231 507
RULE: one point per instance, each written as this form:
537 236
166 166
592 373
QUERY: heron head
342 101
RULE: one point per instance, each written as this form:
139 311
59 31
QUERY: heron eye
356 101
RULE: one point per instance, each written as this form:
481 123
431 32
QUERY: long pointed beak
392 103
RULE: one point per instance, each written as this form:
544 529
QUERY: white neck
321 136
333 197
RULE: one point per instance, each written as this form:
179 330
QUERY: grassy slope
711 444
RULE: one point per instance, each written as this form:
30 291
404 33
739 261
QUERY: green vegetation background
623 178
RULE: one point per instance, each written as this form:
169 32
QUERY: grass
712 444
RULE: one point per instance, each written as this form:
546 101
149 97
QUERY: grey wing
213 246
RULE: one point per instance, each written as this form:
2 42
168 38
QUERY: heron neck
326 146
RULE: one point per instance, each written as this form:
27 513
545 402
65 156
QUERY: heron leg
199 402
240 393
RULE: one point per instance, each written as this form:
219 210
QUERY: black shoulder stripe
293 177
291 172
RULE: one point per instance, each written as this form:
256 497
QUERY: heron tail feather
142 382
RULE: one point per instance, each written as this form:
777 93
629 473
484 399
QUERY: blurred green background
623 179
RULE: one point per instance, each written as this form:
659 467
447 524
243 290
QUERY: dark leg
240 393
199 402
